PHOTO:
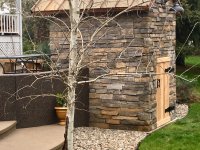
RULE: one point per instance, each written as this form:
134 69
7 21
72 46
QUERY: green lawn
193 67
181 135
192 60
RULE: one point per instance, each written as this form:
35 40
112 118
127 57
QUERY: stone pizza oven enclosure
138 49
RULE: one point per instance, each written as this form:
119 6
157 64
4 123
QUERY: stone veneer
128 45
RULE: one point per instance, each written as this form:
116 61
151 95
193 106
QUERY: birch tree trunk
73 70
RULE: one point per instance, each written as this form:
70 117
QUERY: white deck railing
9 24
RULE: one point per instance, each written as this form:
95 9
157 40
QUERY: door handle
158 83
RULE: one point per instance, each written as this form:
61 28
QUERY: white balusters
9 24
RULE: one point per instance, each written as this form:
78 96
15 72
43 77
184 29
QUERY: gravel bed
90 138
106 139
181 111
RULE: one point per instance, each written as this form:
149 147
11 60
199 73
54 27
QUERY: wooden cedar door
162 94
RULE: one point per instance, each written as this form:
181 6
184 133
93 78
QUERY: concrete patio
50 137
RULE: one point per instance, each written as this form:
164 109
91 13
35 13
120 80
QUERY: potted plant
61 108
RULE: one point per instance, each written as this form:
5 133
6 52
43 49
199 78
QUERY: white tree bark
71 112
75 63
73 70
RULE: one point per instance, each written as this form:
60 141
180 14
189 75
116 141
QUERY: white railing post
1 24
7 24
4 25
19 12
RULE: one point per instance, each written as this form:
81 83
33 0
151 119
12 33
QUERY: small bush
184 90
44 47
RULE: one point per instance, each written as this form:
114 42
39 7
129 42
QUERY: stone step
7 127
50 137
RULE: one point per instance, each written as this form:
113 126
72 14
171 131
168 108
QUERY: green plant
193 61
184 90
44 47
60 100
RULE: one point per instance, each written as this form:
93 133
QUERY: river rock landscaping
91 138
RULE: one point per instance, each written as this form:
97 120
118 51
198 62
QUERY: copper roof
58 5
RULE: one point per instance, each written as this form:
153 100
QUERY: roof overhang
61 6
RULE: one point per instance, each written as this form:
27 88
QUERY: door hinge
158 83
170 108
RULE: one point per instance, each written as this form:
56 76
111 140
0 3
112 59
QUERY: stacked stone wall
124 53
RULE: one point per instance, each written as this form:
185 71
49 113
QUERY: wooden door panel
162 94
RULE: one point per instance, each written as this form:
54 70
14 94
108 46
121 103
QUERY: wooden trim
163 121
93 10
163 59
135 5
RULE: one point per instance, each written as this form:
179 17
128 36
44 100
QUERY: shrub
184 90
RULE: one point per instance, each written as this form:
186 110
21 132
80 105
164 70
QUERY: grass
191 75
192 60
193 67
185 133
181 135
